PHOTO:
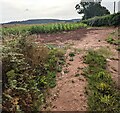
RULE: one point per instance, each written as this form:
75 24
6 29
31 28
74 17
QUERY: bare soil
69 94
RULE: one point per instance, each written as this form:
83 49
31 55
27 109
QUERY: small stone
108 60
62 72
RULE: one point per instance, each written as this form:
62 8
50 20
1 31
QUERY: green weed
113 41
77 74
102 93
71 54
66 71
104 51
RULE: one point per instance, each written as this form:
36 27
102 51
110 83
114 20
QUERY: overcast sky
16 10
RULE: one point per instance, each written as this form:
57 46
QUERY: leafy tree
91 9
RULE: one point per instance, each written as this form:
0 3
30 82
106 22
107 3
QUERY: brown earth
69 94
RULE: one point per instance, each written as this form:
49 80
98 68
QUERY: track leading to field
69 94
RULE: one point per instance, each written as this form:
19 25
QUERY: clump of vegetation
59 69
104 51
77 74
102 93
113 41
95 59
110 40
66 71
28 70
72 54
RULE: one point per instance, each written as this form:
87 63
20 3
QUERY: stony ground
69 94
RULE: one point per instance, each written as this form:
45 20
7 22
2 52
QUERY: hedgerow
108 20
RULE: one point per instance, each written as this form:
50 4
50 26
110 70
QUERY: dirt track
69 94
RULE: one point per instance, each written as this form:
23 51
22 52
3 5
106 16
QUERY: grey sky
15 10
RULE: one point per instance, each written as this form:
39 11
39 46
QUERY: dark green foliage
110 40
102 94
116 42
113 41
95 59
59 69
91 9
66 71
77 74
28 70
51 78
72 54
108 20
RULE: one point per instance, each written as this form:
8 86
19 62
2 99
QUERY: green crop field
47 28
